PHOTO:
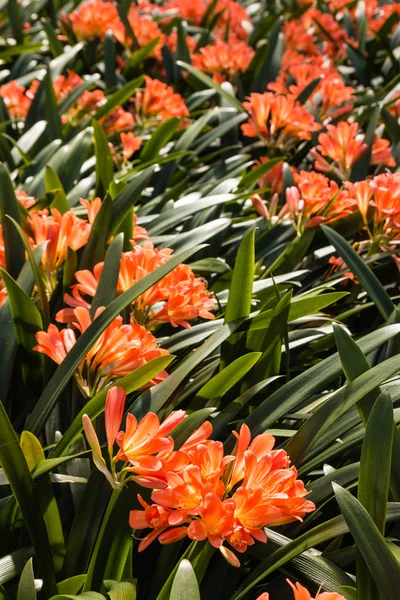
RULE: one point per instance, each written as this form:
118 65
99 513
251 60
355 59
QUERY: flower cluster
278 120
177 298
300 593
117 352
197 491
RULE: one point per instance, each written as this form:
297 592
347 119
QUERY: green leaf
34 455
26 585
106 288
17 472
154 398
95 248
373 483
71 585
209 83
308 90
120 590
299 307
109 60
223 381
8 339
372 545
292 255
359 170
333 407
83 596
14 248
65 371
104 160
185 583
159 138
241 287
249 179
44 106
354 364
14 14
26 317
137 58
310 382
119 97
129 195
54 186
349 592
366 277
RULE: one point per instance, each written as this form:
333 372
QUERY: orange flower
300 593
158 102
316 200
93 19
362 192
16 98
176 299
278 120
118 351
59 232
344 145
215 521
64 85
223 60
130 143
386 189
115 403
330 98
139 441
270 492
156 518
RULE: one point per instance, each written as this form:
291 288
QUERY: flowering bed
199 374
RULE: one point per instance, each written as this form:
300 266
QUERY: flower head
223 60
117 352
278 120
158 102
177 298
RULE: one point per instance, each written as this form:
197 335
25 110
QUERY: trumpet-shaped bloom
17 99
300 593
93 19
118 351
278 120
177 298
223 60
316 199
59 232
344 144
141 440
158 102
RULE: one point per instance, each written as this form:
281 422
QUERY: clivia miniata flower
177 298
117 352
300 593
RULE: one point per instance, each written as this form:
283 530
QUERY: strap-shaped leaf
361 270
383 566
241 287
17 472
373 483
185 583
